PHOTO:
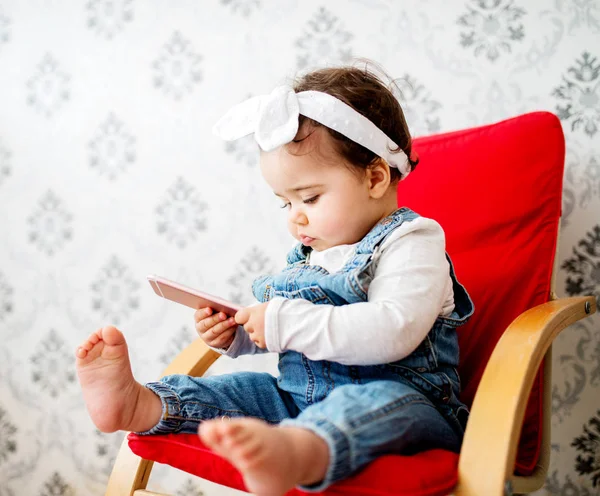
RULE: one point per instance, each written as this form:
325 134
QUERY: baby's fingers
214 326
242 316
223 326
208 323
224 339
202 313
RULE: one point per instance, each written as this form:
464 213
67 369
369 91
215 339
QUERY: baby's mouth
306 240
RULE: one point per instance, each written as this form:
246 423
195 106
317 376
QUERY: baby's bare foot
272 459
115 401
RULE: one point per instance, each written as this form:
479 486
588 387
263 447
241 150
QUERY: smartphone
192 298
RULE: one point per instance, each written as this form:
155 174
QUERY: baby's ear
379 178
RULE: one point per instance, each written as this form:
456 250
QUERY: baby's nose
299 218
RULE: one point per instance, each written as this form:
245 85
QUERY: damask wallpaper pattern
108 171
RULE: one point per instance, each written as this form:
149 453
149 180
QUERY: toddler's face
327 203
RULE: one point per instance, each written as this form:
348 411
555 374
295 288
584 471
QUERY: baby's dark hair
366 93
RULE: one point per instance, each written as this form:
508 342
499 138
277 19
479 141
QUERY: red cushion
496 191
431 473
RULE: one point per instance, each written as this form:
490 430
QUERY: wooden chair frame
489 449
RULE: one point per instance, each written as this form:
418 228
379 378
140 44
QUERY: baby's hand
253 320
215 330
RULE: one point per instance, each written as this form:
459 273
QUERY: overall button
447 393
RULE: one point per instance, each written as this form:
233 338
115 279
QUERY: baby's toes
87 345
224 436
240 434
248 452
84 349
210 434
81 352
95 337
232 435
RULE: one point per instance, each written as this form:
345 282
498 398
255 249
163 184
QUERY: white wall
108 171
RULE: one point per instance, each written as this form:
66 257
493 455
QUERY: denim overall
362 412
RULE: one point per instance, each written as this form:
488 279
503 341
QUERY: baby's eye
311 200
285 205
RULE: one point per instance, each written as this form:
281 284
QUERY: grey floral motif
588 350
115 293
540 51
189 489
113 148
107 448
493 100
581 12
57 486
4 162
50 224
580 93
245 150
6 300
567 389
108 17
323 41
582 172
576 370
568 205
590 180
255 263
419 109
553 486
4 28
52 369
8 444
583 269
245 7
588 462
176 343
491 26
177 70
181 214
48 88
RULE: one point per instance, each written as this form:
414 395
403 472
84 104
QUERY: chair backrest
496 190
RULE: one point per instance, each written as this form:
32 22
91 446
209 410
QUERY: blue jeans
359 419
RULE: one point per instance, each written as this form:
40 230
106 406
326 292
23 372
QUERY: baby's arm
405 297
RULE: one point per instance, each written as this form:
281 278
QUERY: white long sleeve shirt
411 287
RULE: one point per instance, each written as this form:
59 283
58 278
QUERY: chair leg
130 473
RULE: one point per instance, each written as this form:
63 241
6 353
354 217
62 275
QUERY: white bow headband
273 119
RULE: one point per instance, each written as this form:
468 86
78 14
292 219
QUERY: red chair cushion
431 473
496 191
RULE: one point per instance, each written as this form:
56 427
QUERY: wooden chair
497 192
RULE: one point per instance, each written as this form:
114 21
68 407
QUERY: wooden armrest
194 360
130 472
489 448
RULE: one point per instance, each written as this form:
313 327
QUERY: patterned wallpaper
108 172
